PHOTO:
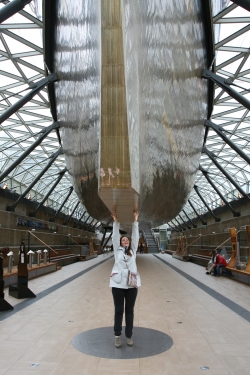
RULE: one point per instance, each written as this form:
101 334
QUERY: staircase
152 245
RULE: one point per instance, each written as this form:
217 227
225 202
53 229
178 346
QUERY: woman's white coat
123 262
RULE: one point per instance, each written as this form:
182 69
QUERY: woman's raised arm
116 232
135 234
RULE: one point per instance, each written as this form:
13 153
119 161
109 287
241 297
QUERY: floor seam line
239 310
22 305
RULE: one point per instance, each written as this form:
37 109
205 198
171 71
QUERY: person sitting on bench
220 262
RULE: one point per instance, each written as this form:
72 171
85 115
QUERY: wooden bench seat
243 272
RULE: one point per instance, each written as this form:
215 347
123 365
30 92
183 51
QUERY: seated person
210 266
220 262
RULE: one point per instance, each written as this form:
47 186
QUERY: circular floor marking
99 342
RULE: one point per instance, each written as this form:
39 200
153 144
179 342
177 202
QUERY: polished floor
209 336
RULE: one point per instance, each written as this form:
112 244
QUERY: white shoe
118 341
130 342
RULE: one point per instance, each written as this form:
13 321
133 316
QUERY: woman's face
125 242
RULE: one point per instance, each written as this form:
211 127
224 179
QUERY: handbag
132 277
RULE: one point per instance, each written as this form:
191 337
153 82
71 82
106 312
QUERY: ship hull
131 104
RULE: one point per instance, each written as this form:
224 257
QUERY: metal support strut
243 3
180 224
184 222
12 8
227 175
194 225
35 88
219 130
37 142
66 222
217 219
176 228
63 203
61 174
53 158
203 222
225 85
205 174
75 226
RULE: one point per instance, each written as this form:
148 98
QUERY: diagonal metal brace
12 8
225 84
226 174
243 3
37 142
35 88
219 130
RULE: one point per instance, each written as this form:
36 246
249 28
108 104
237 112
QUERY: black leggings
119 296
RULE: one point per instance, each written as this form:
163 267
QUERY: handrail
42 242
73 240
225 241
194 241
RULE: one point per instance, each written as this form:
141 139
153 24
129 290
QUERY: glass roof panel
21 63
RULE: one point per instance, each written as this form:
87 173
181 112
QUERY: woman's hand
136 216
114 216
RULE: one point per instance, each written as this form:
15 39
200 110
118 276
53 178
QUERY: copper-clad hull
131 103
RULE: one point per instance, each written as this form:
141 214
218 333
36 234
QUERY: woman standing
125 261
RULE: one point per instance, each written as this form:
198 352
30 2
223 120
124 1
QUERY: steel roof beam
219 130
217 219
180 224
12 8
184 222
243 3
194 225
44 134
53 158
63 203
226 174
177 228
174 229
61 174
225 85
205 174
66 222
35 88
75 226
202 221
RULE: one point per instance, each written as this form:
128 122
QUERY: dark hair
127 250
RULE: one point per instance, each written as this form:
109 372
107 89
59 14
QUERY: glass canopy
21 64
232 61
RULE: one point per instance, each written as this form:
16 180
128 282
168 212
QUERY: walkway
36 339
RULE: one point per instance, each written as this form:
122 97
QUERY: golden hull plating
131 103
